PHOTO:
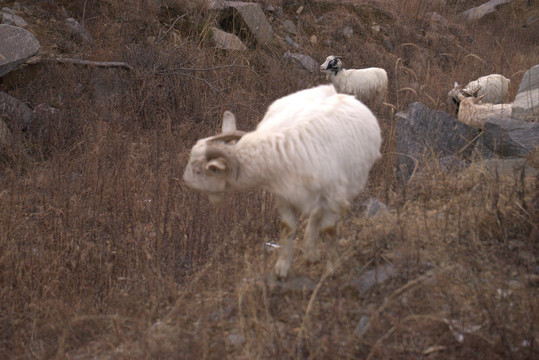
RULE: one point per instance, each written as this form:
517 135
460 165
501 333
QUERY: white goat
474 113
368 85
494 88
313 151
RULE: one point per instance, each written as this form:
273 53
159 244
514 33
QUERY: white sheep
494 88
313 151
368 85
474 113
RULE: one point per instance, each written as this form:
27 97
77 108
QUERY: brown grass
105 254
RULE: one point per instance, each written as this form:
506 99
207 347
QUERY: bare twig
105 64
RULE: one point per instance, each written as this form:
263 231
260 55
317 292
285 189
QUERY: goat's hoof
281 269
313 256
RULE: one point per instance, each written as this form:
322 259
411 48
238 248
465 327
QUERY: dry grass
104 253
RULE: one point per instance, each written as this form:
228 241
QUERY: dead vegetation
104 253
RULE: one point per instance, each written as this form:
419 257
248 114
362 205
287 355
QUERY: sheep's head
212 161
332 64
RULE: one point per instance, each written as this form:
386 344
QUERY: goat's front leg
288 232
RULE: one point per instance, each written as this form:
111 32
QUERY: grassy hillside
105 254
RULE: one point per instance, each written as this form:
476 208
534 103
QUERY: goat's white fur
369 85
494 88
475 113
313 151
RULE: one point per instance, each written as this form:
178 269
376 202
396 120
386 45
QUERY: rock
362 325
509 167
526 104
373 207
348 32
227 41
235 339
78 31
5 134
478 12
16 46
373 277
305 60
422 132
510 138
12 19
254 18
16 110
299 285
290 27
291 42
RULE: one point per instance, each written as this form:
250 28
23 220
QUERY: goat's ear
216 165
456 85
229 122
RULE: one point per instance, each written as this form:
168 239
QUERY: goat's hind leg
288 232
312 230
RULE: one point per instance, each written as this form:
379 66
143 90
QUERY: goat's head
212 161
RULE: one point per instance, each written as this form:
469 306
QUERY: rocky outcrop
19 113
526 104
16 46
423 133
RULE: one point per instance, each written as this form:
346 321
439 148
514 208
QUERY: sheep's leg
312 253
288 231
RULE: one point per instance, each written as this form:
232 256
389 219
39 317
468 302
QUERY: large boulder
423 134
526 104
16 46
253 17
510 137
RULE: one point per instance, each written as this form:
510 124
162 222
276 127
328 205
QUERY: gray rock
373 277
16 110
290 27
78 31
12 19
510 138
373 207
422 133
526 104
291 285
362 325
348 32
16 46
5 134
235 339
305 60
255 19
291 42
227 41
478 12
510 167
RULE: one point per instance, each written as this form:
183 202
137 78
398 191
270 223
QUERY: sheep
313 151
494 87
368 85
474 113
